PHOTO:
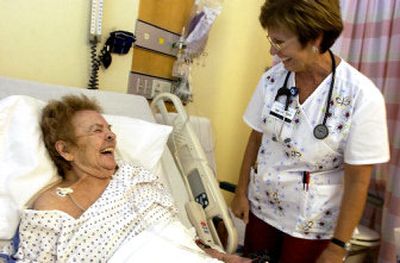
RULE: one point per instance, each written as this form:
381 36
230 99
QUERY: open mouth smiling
107 151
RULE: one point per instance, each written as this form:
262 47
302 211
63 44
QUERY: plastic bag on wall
206 11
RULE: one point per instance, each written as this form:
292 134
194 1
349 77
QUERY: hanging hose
95 63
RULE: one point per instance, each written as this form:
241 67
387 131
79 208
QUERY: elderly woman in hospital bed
101 209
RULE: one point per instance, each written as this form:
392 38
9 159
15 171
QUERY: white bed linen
165 242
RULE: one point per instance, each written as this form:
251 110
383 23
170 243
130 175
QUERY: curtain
371 43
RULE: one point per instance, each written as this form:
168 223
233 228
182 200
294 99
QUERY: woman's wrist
241 191
341 252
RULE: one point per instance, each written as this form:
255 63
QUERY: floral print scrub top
289 152
133 201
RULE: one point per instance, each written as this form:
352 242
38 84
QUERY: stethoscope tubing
320 131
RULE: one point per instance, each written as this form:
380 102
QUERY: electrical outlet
160 86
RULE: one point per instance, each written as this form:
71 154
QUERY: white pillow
25 166
140 142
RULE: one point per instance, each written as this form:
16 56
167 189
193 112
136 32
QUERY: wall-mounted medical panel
154 38
168 16
148 86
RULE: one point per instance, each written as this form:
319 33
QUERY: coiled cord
95 65
96 62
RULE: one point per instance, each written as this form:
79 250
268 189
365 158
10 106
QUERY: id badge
278 111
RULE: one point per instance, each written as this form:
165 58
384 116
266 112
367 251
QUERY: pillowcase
25 164
26 167
139 142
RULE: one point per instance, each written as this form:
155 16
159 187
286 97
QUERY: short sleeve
368 137
39 232
252 115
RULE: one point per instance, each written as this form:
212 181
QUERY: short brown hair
56 125
305 18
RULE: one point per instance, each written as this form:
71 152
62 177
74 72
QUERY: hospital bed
182 166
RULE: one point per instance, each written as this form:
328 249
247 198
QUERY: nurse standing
318 127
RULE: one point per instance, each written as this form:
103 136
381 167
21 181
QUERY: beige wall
237 55
47 41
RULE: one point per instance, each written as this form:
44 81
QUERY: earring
315 49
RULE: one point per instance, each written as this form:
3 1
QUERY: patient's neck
73 179
70 178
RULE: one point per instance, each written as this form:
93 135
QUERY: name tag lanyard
320 131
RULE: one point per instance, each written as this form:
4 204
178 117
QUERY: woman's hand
240 207
356 181
332 254
240 203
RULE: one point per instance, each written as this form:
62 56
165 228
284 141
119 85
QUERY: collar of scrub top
321 130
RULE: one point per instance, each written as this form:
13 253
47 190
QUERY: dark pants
283 248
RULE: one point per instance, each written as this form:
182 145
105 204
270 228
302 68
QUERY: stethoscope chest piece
321 131
294 91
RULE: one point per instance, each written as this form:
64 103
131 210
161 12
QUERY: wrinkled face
95 145
287 47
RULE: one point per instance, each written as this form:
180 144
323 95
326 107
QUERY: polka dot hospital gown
133 201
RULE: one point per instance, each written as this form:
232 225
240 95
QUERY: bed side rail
197 174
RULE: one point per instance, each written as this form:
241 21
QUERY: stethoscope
320 131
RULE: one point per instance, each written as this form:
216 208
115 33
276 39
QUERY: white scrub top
357 135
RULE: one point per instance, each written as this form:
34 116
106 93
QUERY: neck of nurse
318 68
312 74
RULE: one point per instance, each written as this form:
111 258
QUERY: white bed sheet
168 242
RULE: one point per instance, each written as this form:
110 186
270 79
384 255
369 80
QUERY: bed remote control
198 219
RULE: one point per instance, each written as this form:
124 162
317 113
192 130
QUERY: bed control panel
198 190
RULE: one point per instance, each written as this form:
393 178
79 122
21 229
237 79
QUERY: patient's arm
228 258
